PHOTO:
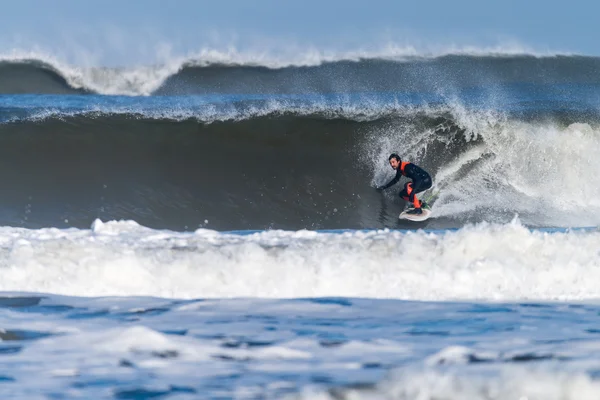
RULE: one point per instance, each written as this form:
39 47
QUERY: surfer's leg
414 187
408 194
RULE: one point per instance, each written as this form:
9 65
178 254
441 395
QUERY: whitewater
208 227
478 262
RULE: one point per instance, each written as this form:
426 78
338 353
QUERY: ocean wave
292 170
212 71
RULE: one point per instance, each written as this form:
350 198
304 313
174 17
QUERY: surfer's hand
379 188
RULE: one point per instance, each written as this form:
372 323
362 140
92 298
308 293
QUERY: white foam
512 383
486 261
546 172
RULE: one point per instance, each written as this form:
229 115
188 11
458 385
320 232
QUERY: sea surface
209 228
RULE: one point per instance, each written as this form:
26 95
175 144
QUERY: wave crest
211 70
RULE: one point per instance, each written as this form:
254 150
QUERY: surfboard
415 217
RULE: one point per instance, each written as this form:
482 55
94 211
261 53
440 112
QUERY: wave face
291 164
219 75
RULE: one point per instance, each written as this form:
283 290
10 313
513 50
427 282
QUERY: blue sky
125 31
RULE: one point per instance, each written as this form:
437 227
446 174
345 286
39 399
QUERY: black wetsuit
421 181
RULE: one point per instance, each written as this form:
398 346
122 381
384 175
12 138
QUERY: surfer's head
394 160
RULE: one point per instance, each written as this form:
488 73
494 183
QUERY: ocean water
209 228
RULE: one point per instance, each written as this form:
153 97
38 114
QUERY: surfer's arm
392 182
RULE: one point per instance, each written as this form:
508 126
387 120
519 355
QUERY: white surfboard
415 217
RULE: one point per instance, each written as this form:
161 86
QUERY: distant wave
212 71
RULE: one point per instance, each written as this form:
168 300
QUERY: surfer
421 181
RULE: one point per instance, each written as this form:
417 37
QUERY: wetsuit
421 181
